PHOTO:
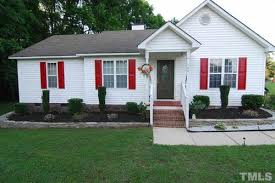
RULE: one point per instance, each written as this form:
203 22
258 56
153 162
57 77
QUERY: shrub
196 107
220 126
250 113
252 101
20 108
204 99
224 92
75 105
132 107
142 110
46 101
101 98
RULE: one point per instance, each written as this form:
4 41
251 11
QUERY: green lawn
6 107
120 155
271 87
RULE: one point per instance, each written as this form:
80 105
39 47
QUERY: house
207 48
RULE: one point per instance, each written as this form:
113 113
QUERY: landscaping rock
112 116
49 117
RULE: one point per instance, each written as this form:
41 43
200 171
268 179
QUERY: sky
259 15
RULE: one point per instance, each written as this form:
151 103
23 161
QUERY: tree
270 67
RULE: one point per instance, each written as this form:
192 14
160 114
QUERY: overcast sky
256 14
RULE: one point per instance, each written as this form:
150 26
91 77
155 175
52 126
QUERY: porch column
188 55
147 84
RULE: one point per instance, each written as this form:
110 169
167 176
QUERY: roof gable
179 32
231 19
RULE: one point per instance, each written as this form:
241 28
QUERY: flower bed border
5 123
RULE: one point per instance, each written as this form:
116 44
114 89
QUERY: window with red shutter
98 73
242 73
132 73
203 73
61 79
43 75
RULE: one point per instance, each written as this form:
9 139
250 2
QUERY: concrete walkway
180 136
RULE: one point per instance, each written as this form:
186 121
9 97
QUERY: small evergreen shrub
101 98
46 101
204 99
20 108
253 102
75 105
224 92
79 116
132 107
142 110
196 107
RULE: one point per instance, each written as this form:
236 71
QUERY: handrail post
151 104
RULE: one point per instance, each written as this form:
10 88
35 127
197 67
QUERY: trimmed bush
132 107
75 105
224 92
204 99
101 98
196 107
20 108
142 107
46 101
252 101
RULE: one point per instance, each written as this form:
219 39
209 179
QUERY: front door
165 79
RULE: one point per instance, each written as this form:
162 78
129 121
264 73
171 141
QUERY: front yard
271 87
120 155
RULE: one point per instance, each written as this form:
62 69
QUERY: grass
120 155
6 107
271 87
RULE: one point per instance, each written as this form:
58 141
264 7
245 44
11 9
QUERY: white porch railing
185 104
151 100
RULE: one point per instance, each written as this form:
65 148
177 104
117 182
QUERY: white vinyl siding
30 87
220 39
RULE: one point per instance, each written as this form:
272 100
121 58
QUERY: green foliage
25 22
20 108
224 92
270 67
46 101
142 107
252 101
196 107
75 105
220 126
132 107
79 116
101 98
204 99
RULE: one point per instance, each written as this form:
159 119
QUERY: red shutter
242 73
204 74
98 73
61 82
132 73
43 75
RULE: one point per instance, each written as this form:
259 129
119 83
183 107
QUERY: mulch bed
91 117
230 113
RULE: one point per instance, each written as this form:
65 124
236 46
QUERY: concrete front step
169 118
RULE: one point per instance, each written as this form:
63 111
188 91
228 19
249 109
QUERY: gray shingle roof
70 45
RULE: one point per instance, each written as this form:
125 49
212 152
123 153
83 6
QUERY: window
52 75
215 73
121 74
115 74
223 72
108 71
230 72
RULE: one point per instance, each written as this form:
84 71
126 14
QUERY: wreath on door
146 70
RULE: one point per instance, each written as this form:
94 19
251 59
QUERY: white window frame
115 74
223 71
47 73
